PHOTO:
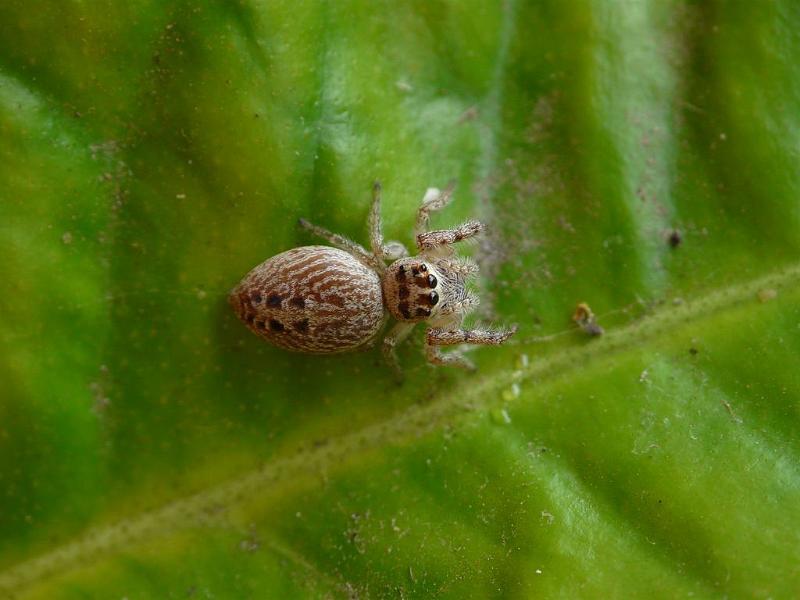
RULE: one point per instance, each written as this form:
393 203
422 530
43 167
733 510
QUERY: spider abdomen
313 299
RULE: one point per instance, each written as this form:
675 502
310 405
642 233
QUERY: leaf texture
638 156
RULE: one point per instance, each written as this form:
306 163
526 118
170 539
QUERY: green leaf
637 156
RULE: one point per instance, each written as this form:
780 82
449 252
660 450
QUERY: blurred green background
151 153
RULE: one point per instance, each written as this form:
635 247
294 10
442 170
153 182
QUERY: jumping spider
322 300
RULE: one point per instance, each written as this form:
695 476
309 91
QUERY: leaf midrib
411 423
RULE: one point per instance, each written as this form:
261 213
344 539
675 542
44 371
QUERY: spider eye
432 281
434 298
423 268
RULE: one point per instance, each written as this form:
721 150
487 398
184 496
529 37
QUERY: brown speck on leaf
675 238
565 224
585 319
767 294
251 543
468 115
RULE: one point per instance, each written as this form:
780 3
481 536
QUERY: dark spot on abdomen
298 302
334 299
274 300
275 325
256 298
302 326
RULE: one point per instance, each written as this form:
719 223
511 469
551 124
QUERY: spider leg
452 314
465 267
451 337
384 251
396 335
343 243
432 240
454 359
432 201
436 337
375 221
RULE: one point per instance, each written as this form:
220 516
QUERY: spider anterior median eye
432 281
434 298
423 267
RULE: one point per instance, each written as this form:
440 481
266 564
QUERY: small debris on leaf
404 86
729 408
468 115
767 294
500 416
511 393
675 238
585 319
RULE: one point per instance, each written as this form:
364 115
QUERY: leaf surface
640 157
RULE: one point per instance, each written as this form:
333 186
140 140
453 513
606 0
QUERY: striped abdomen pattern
313 299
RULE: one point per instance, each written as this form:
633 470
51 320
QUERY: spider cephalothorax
431 289
322 300
412 290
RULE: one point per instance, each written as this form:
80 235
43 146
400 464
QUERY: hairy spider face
412 289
